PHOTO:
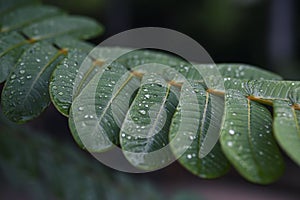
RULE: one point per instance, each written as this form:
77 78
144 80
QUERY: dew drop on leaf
231 132
143 112
80 108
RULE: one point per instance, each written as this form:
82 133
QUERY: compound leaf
11 48
76 70
242 71
247 139
6 6
144 133
287 128
195 112
26 15
25 95
93 119
75 26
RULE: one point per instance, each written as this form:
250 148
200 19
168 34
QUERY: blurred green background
264 33
259 32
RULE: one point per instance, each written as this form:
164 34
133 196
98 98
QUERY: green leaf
265 91
144 133
12 46
71 76
242 71
93 118
247 139
287 128
271 90
66 42
6 6
62 80
74 26
26 15
145 60
25 95
195 112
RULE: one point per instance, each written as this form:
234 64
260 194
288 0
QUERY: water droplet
234 114
80 108
22 71
13 76
143 112
28 77
229 144
38 60
86 116
147 96
123 135
60 93
189 156
231 132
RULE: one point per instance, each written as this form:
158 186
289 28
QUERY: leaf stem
220 92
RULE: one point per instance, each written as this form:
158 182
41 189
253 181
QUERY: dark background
258 32
264 33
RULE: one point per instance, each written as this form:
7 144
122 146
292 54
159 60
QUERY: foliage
41 53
